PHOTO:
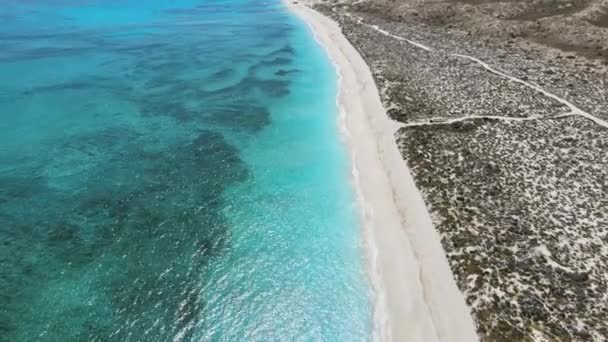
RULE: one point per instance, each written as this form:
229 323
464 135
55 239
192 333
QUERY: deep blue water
172 170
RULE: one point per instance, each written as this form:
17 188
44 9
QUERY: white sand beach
416 297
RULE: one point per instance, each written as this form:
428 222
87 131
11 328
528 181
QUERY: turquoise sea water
172 170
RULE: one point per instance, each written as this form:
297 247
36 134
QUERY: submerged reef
110 223
118 221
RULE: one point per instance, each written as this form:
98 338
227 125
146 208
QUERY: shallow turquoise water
172 171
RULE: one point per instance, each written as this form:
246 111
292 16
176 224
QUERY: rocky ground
504 107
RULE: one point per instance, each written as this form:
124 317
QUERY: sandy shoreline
416 296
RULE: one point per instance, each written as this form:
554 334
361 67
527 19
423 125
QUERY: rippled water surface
172 170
